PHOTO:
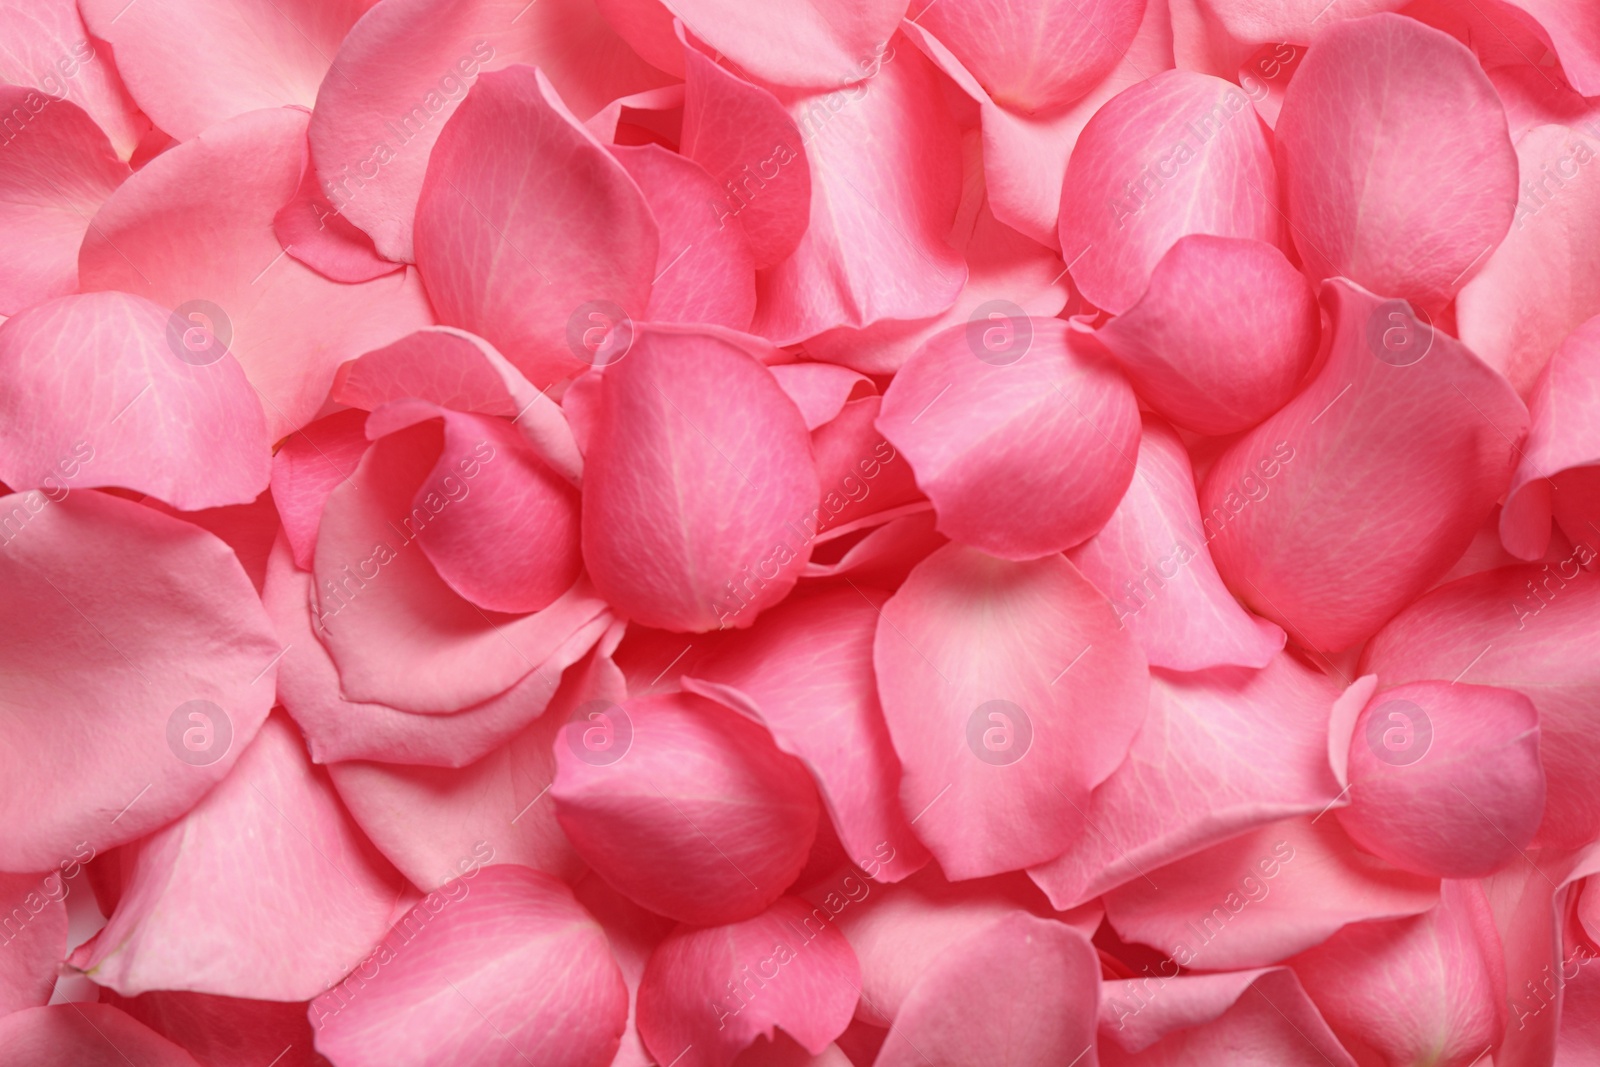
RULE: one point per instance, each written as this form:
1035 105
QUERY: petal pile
815 533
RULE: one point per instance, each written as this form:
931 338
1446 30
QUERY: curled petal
306 469
49 49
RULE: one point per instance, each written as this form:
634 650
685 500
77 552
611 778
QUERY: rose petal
48 48
85 1035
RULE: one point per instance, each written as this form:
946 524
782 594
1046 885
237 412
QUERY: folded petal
229 59
885 163
1398 168
1429 988
1010 693
821 390
1151 560
1018 429
379 114
704 270
805 672
103 389
1222 337
1263 896
1517 628
192 230
1571 32
823 44
311 231
1401 421
708 993
1245 1019
56 171
48 48
864 479
743 137
685 806
268 858
398 632
1180 153
695 433
86 1035
307 467
1555 475
1222 752
498 968
123 629
531 273
1445 778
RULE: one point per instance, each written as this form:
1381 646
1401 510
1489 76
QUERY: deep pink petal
1397 162
85 1035
862 476
56 170
35 938
1517 628
876 246
101 390
805 672
311 231
500 966
117 618
1401 421
1010 693
704 270
226 1030
1222 337
685 806
192 230
796 972
307 467
1151 560
694 432
1263 896
48 49
376 126
1222 752
268 858
1195 159
533 275
1019 430
743 137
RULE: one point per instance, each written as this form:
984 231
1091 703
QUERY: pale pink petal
35 936
48 49
1244 1019
117 620
1288 20
823 44
796 972
85 1035
1020 431
533 275
311 231
339 729
1520 628
805 672
1195 159
885 163
1222 337
1263 896
1222 752
1401 421
268 858
101 390
821 390
501 967
685 806
1445 778
398 633
250 530
56 170
193 232
226 1031
1037 56
1397 162
695 433
1151 560
704 269
1556 474
1423 989
379 114
743 137
1010 693
307 467
231 57
430 821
